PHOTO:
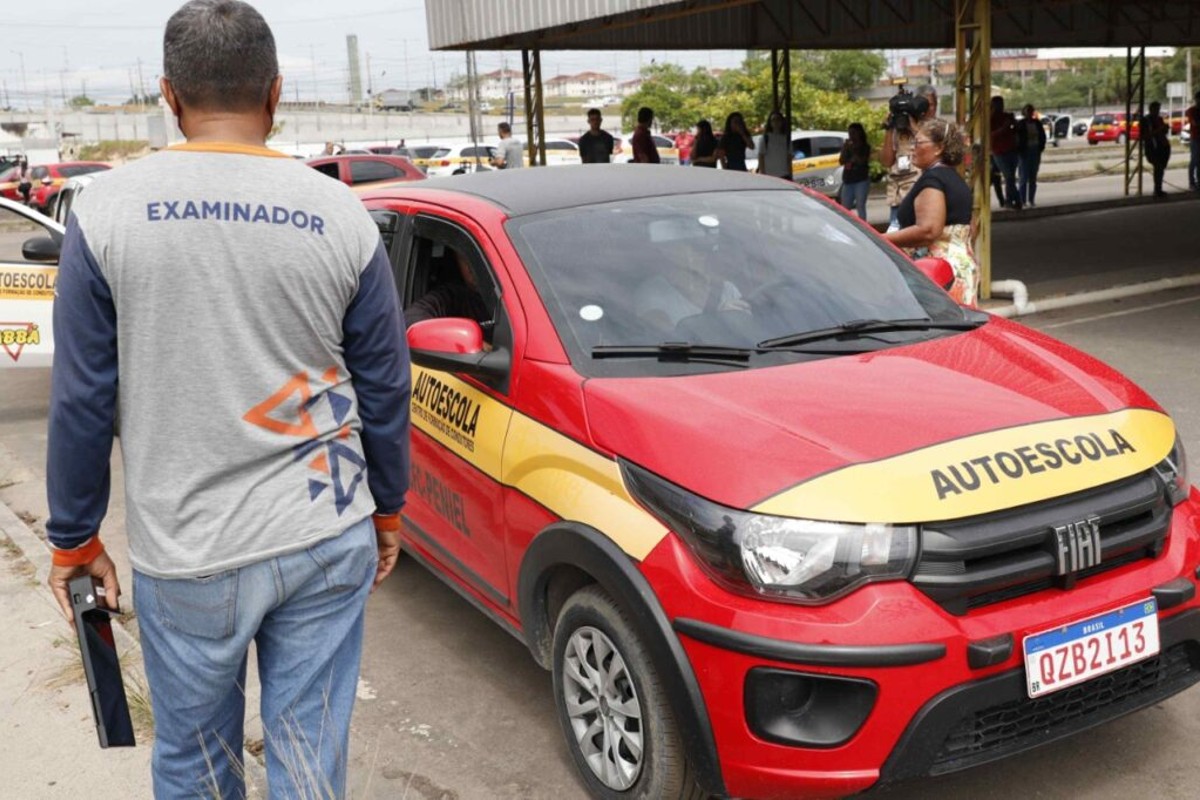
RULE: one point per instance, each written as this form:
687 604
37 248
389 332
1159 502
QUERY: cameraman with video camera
906 110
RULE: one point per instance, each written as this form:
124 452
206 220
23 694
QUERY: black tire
662 771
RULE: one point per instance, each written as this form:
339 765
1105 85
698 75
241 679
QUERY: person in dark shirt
704 149
935 216
595 146
451 299
644 151
855 159
735 141
1156 144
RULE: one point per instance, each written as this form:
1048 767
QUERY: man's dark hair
505 127
595 111
645 115
219 55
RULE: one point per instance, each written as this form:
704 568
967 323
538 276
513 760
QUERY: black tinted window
330 169
366 170
80 169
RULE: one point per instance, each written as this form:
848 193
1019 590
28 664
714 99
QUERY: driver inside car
451 299
686 288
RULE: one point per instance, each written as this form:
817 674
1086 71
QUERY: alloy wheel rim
603 708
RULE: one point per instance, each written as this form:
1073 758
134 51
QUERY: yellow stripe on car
985 472
572 481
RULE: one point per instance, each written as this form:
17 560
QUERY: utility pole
24 83
1187 77
370 92
141 85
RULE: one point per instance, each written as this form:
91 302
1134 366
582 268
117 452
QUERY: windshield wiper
864 327
677 351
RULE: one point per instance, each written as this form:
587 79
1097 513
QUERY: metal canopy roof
801 24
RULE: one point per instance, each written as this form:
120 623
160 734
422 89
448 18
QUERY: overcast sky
53 47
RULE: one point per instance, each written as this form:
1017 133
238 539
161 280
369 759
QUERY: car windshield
1104 119
729 269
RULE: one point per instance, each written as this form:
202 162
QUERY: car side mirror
455 344
937 270
42 249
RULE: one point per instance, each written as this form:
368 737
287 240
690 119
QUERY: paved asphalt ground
453 708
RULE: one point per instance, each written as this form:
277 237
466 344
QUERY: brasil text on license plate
1071 654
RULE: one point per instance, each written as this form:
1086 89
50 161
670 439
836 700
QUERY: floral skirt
955 247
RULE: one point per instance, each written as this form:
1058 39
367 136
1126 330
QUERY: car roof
538 189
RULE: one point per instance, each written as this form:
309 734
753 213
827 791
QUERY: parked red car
353 170
779 527
1110 128
49 178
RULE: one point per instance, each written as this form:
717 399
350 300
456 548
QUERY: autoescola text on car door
458 426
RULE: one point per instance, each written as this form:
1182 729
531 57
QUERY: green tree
839 70
676 96
81 101
680 98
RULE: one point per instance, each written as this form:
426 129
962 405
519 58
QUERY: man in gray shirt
264 418
510 154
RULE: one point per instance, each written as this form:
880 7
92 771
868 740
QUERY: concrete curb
1096 296
37 553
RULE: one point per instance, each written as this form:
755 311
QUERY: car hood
961 425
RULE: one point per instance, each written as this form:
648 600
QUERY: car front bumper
936 693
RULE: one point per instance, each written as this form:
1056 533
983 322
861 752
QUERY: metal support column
1135 88
474 114
973 112
781 73
535 121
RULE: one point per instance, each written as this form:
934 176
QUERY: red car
779 527
1110 127
355 169
49 178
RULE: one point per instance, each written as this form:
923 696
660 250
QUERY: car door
29 245
459 423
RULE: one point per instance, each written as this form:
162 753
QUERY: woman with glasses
935 216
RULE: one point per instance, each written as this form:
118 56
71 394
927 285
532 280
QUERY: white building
499 83
585 84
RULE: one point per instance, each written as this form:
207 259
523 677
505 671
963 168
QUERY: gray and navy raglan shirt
246 307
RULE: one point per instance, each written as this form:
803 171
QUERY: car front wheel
613 708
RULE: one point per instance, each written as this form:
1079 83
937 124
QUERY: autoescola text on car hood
946 429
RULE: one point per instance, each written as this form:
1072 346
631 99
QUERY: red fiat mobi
783 519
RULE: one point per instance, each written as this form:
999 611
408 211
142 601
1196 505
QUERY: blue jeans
1007 164
1031 162
854 196
304 611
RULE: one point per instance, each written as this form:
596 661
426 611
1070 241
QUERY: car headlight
1174 471
783 558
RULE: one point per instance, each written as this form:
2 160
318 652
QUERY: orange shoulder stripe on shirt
228 147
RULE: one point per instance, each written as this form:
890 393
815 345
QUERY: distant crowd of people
930 207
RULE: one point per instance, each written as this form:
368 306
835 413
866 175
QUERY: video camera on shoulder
905 109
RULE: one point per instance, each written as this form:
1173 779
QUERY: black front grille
977 561
992 718
1017 725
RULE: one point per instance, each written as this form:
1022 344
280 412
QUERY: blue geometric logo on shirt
289 412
